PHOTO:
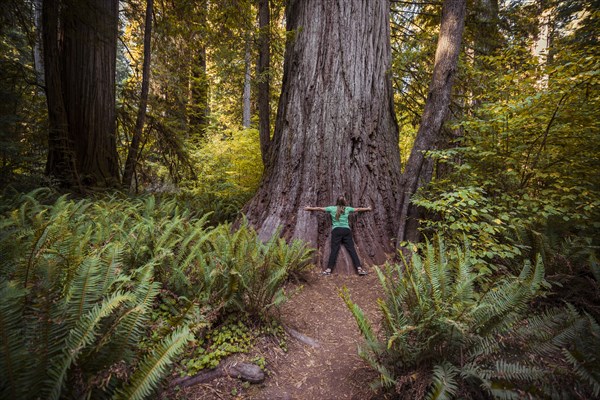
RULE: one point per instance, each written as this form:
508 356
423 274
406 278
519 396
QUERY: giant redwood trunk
335 132
81 91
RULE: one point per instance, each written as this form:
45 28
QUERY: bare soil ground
325 364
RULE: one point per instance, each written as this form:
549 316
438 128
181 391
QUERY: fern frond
112 264
432 272
14 355
154 366
386 378
444 385
585 368
79 337
363 324
514 371
85 289
126 331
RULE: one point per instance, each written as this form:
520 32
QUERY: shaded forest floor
321 365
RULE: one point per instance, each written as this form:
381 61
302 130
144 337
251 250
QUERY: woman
341 233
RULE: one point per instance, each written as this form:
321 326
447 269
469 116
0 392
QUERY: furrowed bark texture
418 170
335 132
89 62
61 156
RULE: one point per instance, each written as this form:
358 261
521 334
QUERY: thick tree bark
336 132
133 154
80 85
417 171
89 57
61 163
263 78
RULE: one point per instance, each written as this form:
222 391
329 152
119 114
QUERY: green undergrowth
234 336
101 297
449 332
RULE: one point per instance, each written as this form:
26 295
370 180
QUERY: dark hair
341 207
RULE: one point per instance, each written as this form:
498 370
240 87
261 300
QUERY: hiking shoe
361 271
326 272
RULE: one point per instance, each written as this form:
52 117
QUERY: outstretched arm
314 208
359 209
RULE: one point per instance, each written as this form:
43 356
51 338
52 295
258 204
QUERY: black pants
342 236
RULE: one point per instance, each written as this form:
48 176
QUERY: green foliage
241 273
235 335
200 52
526 159
446 336
99 297
154 366
70 317
229 169
230 338
23 113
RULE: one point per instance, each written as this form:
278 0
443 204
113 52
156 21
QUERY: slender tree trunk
336 133
38 56
247 81
263 78
133 154
418 169
199 102
487 38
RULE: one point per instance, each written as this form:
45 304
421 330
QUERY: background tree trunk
61 163
486 18
89 62
38 56
133 154
336 131
247 82
263 78
418 169
80 88
199 108
198 101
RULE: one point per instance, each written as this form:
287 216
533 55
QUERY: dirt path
333 370
327 370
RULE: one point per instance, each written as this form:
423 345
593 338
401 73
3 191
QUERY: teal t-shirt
343 221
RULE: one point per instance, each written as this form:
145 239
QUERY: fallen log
244 371
301 337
